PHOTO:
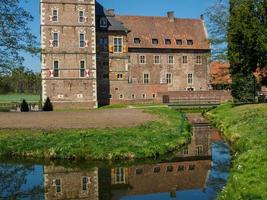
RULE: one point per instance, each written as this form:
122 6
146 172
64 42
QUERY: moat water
198 172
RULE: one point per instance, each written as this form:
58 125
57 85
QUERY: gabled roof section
113 23
147 28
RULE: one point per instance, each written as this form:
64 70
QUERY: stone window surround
142 59
84 68
190 78
146 80
118 45
159 59
171 63
58 71
53 38
57 16
169 79
81 17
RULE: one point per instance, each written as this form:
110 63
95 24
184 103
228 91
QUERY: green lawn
245 127
149 140
17 98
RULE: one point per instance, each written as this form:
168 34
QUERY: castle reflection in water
188 170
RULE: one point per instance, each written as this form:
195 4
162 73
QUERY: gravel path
75 119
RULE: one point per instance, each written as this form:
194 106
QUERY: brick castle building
92 57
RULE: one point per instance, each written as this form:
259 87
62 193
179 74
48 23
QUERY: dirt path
72 119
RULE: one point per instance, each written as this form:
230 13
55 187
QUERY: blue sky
182 9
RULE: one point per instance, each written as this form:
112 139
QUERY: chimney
171 16
111 12
202 17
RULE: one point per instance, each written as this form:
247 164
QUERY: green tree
15 35
217 24
247 43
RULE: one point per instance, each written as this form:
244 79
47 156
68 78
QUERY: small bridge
193 102
195 99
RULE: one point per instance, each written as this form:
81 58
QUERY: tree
247 43
48 105
15 36
217 23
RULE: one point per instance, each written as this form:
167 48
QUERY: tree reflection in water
16 183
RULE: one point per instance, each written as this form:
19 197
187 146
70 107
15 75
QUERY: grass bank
149 140
17 98
245 127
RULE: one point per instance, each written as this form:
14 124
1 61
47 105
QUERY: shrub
48 105
24 107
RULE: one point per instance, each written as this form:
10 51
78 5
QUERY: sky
182 9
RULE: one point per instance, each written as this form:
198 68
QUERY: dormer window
137 40
155 41
179 42
168 41
103 22
190 42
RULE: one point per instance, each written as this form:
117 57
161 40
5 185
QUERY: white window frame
85 184
119 78
121 175
57 16
158 60
121 96
81 68
84 40
199 60
170 63
140 59
190 78
83 16
58 71
148 78
58 186
116 46
55 32
169 78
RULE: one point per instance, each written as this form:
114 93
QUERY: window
104 44
82 40
180 168
142 60
55 15
58 185
185 151
81 16
133 96
143 96
55 39
120 175
169 78
156 59
184 59
119 76
190 42
121 96
146 79
153 96
156 169
169 169
199 60
168 41
155 41
117 44
137 40
191 167
129 59
103 22
189 78
179 42
85 182
56 69
139 171
82 68
199 149
170 59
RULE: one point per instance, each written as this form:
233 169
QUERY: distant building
91 56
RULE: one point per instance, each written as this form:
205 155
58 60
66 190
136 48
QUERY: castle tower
68 41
